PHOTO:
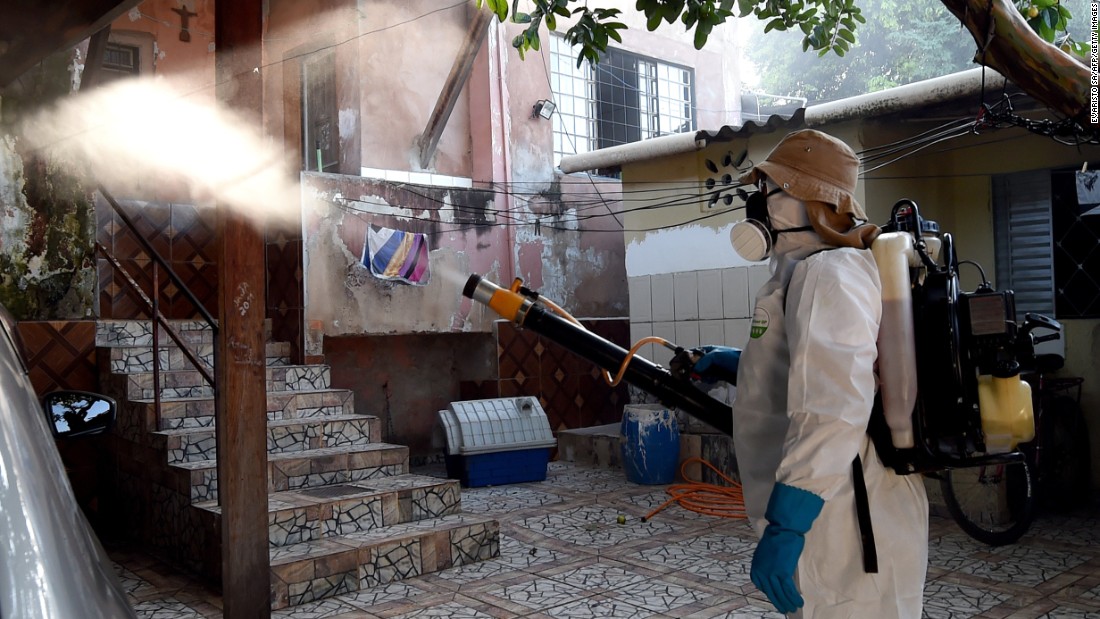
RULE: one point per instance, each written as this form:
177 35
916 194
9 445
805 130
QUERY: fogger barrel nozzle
503 301
472 286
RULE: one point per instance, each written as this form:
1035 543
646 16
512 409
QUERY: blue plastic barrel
650 444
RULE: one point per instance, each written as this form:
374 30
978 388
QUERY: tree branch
1050 75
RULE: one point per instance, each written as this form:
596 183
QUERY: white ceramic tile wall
712 332
641 299
737 332
666 330
735 293
639 330
662 294
711 303
687 333
686 288
693 308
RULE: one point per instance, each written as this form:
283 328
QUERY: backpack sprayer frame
958 335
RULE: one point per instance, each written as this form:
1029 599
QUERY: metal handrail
157 258
153 305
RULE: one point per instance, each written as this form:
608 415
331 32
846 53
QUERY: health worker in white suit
805 388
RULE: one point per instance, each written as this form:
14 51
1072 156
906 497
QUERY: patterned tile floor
565 555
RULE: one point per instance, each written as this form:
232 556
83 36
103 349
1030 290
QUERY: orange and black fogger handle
518 305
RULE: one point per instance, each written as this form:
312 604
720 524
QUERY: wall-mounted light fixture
543 108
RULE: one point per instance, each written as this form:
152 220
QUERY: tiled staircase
344 514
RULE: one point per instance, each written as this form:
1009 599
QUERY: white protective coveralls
805 389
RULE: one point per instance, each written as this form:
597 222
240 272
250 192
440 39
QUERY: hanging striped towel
396 255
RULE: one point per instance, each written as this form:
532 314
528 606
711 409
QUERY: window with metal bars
120 61
1047 250
624 98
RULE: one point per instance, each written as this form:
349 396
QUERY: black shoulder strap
863 514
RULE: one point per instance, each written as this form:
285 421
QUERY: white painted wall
683 248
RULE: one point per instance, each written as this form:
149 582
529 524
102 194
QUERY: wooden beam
93 64
460 72
241 399
31 31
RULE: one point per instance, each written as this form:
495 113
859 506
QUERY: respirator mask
753 238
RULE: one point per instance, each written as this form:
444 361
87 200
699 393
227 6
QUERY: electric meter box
496 441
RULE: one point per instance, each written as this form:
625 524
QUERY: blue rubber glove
790 513
718 363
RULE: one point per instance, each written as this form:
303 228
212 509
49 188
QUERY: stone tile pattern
344 514
563 553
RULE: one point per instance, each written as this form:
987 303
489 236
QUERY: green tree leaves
826 26
1050 19
900 41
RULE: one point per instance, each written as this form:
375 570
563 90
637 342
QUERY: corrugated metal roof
675 144
775 122
893 100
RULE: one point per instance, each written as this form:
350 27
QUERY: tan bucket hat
811 165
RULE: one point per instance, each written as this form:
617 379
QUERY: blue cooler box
497 441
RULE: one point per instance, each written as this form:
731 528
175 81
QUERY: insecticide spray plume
142 137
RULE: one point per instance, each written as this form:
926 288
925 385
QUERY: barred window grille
1047 250
622 99
120 61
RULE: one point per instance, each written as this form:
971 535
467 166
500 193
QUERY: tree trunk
1008 45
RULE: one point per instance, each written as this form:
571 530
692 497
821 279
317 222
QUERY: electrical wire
917 147
448 227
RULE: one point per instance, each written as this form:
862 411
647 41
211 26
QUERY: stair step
191 384
198 412
139 359
312 571
301 470
111 333
344 513
312 514
283 436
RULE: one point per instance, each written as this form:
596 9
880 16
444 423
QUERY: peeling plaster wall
343 298
583 271
405 349
47 220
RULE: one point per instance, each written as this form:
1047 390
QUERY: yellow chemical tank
1006 411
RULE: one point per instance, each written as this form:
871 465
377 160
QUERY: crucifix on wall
185 17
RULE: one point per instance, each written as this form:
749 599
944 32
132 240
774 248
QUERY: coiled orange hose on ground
703 498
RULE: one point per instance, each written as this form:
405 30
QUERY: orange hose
703 498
